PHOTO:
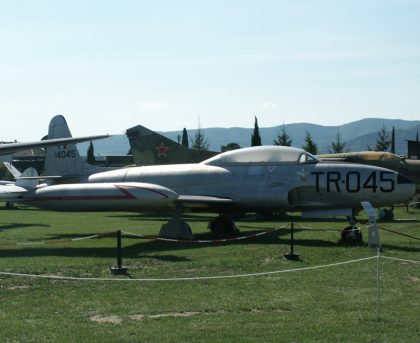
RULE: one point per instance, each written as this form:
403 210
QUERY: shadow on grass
153 248
11 226
133 251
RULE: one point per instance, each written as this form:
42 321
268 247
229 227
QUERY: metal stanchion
292 255
119 269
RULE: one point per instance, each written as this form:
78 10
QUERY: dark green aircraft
151 148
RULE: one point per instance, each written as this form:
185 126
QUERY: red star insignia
162 149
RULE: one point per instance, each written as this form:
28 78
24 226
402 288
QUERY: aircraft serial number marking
352 181
65 154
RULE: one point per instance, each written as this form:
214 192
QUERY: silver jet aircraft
256 179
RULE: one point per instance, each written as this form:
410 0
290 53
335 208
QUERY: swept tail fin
11 168
150 148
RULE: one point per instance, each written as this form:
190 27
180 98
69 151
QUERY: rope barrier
399 233
302 227
152 237
203 241
400 259
72 278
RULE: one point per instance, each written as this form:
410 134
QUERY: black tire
352 235
222 225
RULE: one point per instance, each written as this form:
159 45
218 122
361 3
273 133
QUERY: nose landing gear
352 234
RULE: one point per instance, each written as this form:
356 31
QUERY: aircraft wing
12 147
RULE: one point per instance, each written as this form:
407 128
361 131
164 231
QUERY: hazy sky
108 65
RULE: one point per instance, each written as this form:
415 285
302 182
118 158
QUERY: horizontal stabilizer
28 179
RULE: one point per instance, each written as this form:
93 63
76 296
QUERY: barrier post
374 239
119 269
291 255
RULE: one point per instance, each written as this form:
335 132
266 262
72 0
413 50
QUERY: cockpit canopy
262 154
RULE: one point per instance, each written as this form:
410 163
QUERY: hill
366 129
358 136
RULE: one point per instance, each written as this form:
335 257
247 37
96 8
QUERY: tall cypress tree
256 138
393 140
90 154
185 138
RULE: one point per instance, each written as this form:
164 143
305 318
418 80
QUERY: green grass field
335 304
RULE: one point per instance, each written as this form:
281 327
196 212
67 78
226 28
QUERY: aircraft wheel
351 235
386 214
10 205
222 225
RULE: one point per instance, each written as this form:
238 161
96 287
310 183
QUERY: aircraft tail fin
149 147
64 160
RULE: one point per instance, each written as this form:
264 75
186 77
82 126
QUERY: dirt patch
415 278
18 287
163 315
136 316
176 314
261 310
197 313
109 319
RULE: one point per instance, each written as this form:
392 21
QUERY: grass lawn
335 304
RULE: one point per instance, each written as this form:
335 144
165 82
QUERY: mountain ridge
358 135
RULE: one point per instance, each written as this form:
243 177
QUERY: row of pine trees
199 142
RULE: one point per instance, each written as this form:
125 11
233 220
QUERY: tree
283 138
393 140
230 146
256 138
338 145
310 146
90 154
185 138
199 142
383 143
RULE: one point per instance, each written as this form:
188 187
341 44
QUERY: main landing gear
222 224
386 214
177 228
352 234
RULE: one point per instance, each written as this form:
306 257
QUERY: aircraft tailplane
28 179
